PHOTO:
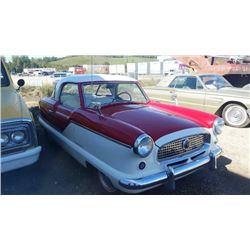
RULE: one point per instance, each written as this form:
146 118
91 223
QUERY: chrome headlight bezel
143 145
218 126
18 136
10 129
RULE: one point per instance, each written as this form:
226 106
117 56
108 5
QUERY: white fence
149 68
140 70
34 80
117 69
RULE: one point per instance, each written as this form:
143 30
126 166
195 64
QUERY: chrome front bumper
173 174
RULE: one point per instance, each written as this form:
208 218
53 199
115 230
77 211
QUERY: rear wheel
235 115
106 183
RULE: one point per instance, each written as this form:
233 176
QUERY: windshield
4 79
112 92
215 81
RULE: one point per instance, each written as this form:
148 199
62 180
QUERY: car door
69 101
188 92
162 93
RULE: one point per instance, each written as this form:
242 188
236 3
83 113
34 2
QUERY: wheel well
220 110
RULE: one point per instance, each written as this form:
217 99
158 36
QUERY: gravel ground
58 173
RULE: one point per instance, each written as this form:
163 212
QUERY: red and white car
109 123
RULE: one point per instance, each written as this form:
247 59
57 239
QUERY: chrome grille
175 148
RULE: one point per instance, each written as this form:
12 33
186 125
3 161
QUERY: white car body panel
18 160
115 160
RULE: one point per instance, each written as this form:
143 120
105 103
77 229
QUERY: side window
177 82
70 96
190 83
4 80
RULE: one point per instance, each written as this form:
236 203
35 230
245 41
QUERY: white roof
96 78
90 78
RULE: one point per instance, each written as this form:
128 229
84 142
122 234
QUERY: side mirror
20 83
97 106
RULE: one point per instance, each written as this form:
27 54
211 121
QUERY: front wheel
106 183
235 115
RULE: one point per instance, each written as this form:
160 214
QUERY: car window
104 90
185 82
199 85
214 81
4 79
70 96
128 91
111 92
98 93
190 83
178 81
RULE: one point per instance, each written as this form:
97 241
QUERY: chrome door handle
174 98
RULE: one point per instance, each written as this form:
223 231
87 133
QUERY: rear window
4 79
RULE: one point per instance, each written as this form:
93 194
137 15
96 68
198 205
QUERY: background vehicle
59 74
207 92
108 122
18 135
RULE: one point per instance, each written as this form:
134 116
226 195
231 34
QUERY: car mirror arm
97 107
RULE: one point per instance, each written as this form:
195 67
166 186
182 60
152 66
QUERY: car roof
96 78
197 74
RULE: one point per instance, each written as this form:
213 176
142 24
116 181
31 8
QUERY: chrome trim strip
16 120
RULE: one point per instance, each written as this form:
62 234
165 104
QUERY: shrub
46 90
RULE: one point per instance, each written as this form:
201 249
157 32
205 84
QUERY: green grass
149 82
37 92
70 61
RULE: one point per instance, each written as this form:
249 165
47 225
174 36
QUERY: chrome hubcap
236 115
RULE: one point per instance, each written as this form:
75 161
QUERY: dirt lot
58 173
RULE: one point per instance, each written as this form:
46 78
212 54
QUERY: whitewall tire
235 115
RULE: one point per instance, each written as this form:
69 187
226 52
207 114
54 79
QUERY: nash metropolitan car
108 122
207 92
19 147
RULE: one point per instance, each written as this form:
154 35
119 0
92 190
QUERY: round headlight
4 139
143 145
18 136
218 125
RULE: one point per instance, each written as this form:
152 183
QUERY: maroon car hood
151 120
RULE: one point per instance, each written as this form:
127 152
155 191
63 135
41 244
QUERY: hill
69 61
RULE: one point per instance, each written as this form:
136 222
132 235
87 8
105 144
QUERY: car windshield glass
4 79
112 92
215 81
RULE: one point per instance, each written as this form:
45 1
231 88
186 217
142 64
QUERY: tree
17 64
